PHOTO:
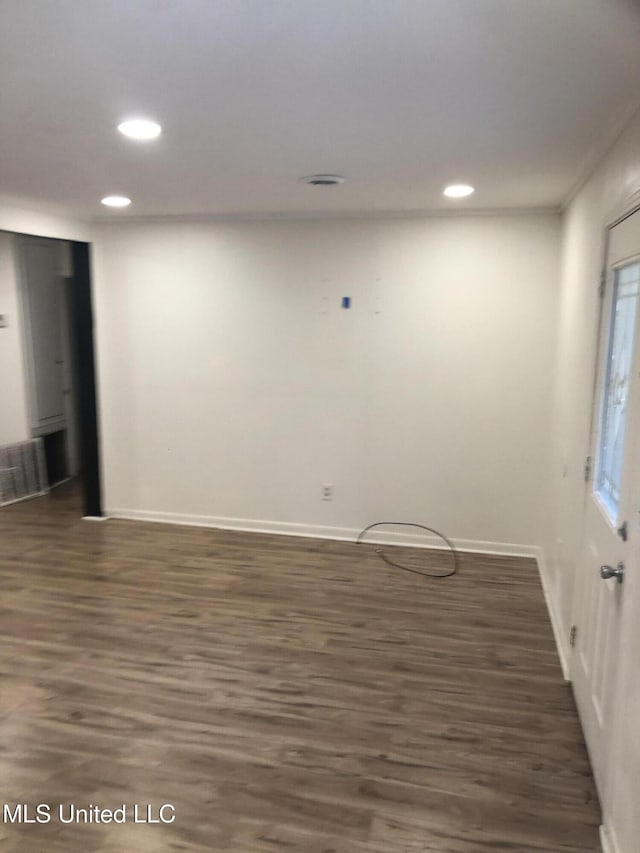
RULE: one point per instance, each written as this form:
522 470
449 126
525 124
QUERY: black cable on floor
389 562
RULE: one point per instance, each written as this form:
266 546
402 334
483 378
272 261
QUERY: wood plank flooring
282 694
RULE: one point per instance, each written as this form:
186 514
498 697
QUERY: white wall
23 219
13 402
233 384
612 189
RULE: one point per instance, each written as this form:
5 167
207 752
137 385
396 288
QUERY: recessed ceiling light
323 180
140 128
116 201
458 190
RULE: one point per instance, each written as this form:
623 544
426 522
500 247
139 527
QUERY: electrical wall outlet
327 491
4 322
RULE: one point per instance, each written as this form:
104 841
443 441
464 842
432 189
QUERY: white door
621 800
69 366
40 261
601 659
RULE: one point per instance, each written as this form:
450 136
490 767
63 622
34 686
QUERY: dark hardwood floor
282 694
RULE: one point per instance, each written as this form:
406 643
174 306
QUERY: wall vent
23 471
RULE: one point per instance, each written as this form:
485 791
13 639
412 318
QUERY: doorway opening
47 364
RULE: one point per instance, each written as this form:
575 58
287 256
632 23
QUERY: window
614 403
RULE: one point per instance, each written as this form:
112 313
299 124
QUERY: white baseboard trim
608 839
316 531
559 630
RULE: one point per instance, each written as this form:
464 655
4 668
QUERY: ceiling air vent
323 180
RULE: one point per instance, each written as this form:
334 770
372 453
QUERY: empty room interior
320 426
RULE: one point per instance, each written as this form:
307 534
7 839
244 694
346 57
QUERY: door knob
607 572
